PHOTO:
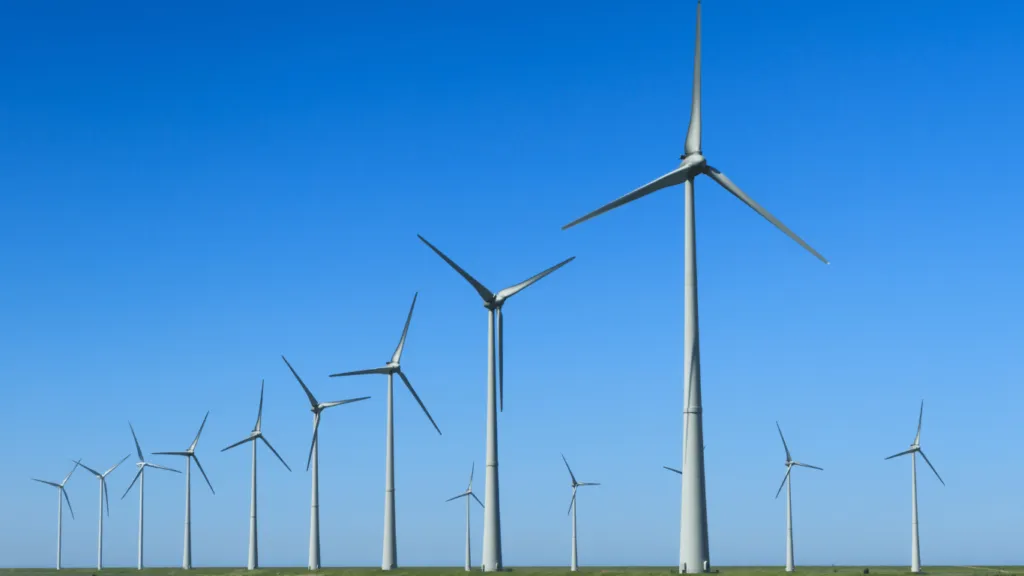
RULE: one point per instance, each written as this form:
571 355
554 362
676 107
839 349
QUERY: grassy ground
534 571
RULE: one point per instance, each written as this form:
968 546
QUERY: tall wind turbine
494 302
140 476
190 455
915 449
60 506
467 494
573 566
103 498
314 458
256 434
694 552
392 367
787 481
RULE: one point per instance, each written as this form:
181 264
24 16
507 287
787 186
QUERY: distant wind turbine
190 455
572 509
389 559
915 449
103 498
467 495
140 476
787 481
256 434
314 458
60 506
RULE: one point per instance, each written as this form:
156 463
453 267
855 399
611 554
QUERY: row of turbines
694 548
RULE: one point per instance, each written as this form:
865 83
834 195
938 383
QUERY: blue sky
188 194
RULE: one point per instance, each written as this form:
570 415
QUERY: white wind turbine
493 302
60 506
140 476
573 566
256 434
915 449
694 551
314 458
190 455
103 498
787 481
390 555
467 495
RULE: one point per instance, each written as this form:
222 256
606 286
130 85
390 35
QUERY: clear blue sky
186 193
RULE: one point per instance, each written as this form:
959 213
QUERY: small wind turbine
572 508
103 498
190 455
494 302
256 434
141 477
60 506
467 494
314 507
915 449
390 556
787 481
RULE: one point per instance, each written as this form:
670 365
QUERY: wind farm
192 194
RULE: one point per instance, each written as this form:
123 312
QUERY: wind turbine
103 498
915 449
256 434
141 477
787 481
493 302
314 458
190 455
467 494
694 552
572 508
392 367
60 506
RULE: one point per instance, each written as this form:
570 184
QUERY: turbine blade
114 467
309 394
680 472
137 474
589 484
54 484
68 500
259 414
724 181
901 454
106 495
171 453
275 453
687 169
79 462
513 290
463 495
75 467
384 370
784 445
569 469
239 443
316 431
471 470
477 500
159 467
416 396
203 472
571 502
480 288
784 478
807 465
693 131
405 331
932 467
196 441
501 361
920 416
138 449
327 405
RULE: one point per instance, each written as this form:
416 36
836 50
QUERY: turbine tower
467 494
256 434
60 506
103 498
694 551
915 449
140 476
787 481
190 455
573 566
314 508
494 302
390 554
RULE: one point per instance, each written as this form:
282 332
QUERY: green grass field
536 571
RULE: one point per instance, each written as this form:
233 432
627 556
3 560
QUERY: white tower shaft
469 558
573 564
142 499
915 544
390 556
186 556
99 544
60 519
253 542
314 507
789 522
492 515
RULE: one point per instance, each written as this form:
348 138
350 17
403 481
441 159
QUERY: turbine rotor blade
680 472
138 449
196 441
309 394
477 500
54 484
397 356
807 465
316 431
327 405
463 495
275 452
203 472
420 402
501 361
571 475
571 502
171 453
259 414
471 470
920 416
784 445
589 484
384 370
511 291
912 450
724 181
137 474
484 293
114 467
784 478
106 496
239 443
79 462
159 467
932 467
693 131
68 500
